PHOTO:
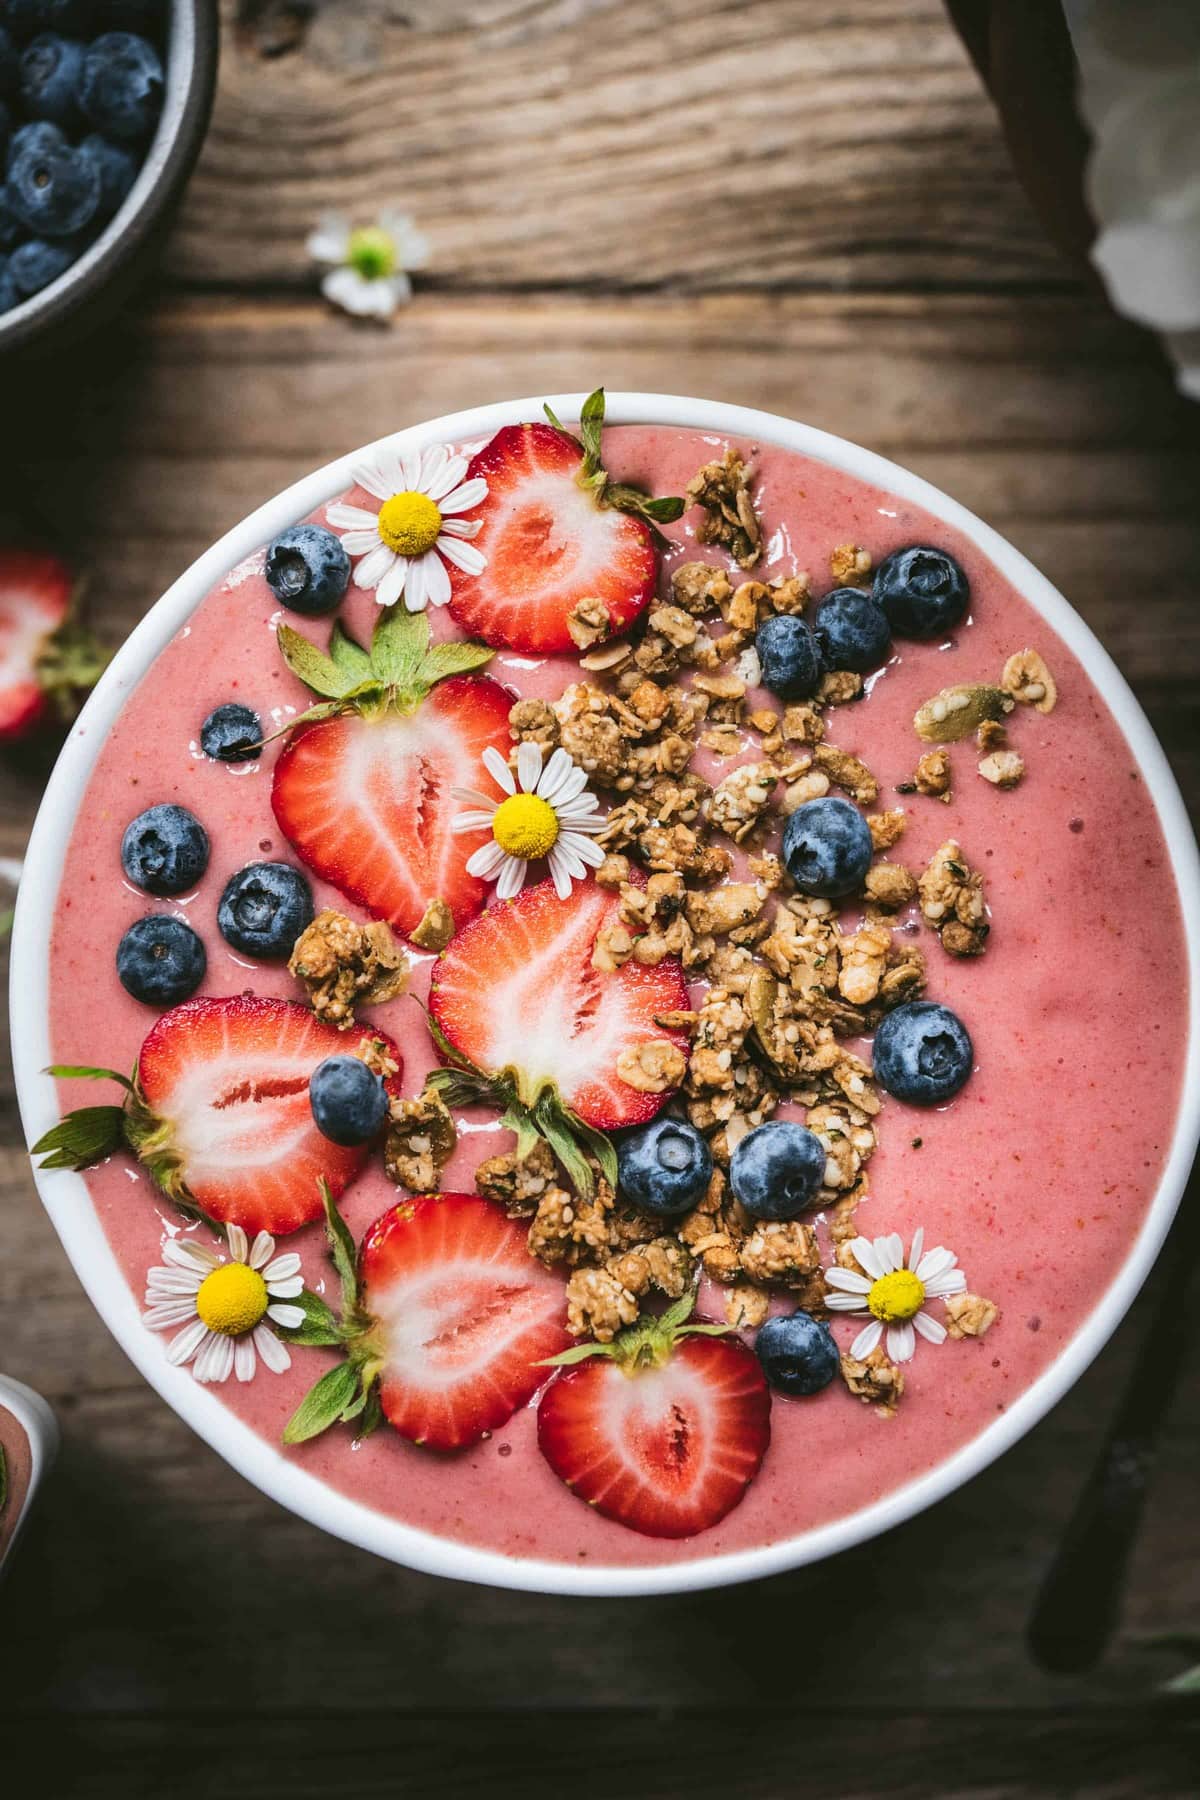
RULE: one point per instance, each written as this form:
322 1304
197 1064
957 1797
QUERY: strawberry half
47 661
460 1317
362 791
555 532
515 994
219 1112
662 1431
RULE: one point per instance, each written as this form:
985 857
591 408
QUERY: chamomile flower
404 546
547 812
224 1306
369 276
891 1292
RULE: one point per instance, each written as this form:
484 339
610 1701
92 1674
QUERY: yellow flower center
409 523
896 1296
371 252
232 1299
525 825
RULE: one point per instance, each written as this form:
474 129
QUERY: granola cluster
952 903
420 1141
723 490
344 965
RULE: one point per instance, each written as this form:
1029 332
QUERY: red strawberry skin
230 1079
35 600
465 1316
366 804
516 988
548 545
667 1451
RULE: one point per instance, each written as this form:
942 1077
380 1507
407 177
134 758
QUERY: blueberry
827 847
922 590
116 170
788 656
5 126
165 849
799 1355
665 1167
34 264
776 1169
10 64
24 17
264 909
231 733
349 1101
12 230
307 569
852 630
51 68
121 88
51 188
160 960
923 1053
9 296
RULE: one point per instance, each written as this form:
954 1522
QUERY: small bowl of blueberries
103 109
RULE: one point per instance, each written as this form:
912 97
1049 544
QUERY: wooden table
798 204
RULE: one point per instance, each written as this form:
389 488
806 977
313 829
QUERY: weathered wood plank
697 144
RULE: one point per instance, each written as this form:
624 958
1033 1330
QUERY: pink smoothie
1037 1176
19 1460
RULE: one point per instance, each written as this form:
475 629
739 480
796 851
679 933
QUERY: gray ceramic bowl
92 287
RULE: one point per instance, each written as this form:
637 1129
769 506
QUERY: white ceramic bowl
41 1430
65 1195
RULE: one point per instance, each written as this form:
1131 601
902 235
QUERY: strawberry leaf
347 655
320 1325
86 1136
312 666
453 658
594 477
324 1404
85 1072
341 1252
398 648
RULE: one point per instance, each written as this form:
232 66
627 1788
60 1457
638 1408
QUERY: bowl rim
64 1193
191 76
37 1421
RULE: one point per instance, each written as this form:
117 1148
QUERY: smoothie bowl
595 975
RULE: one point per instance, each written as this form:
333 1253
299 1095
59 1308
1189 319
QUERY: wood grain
794 204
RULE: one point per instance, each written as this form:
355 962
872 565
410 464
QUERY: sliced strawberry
666 1450
517 989
549 544
366 803
464 1313
228 1082
35 602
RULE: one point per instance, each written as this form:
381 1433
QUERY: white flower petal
486 861
390 588
410 471
866 1340
931 1329
851 1303
273 1353
529 765
437 580
281 1267
399 290
890 1251
934 1262
373 478
472 821
582 847
244 1359
915 1248
183 1347
563 785
444 479
512 877
498 769
560 873
343 517
163 1314
901 1342
865 1254
848 1279
417 589
351 291
461 528
173 1281
564 863
239 1244
462 499
554 774
464 556
186 1253
329 241
287 1316
215 1361
952 1282
412 246
286 1288
374 566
